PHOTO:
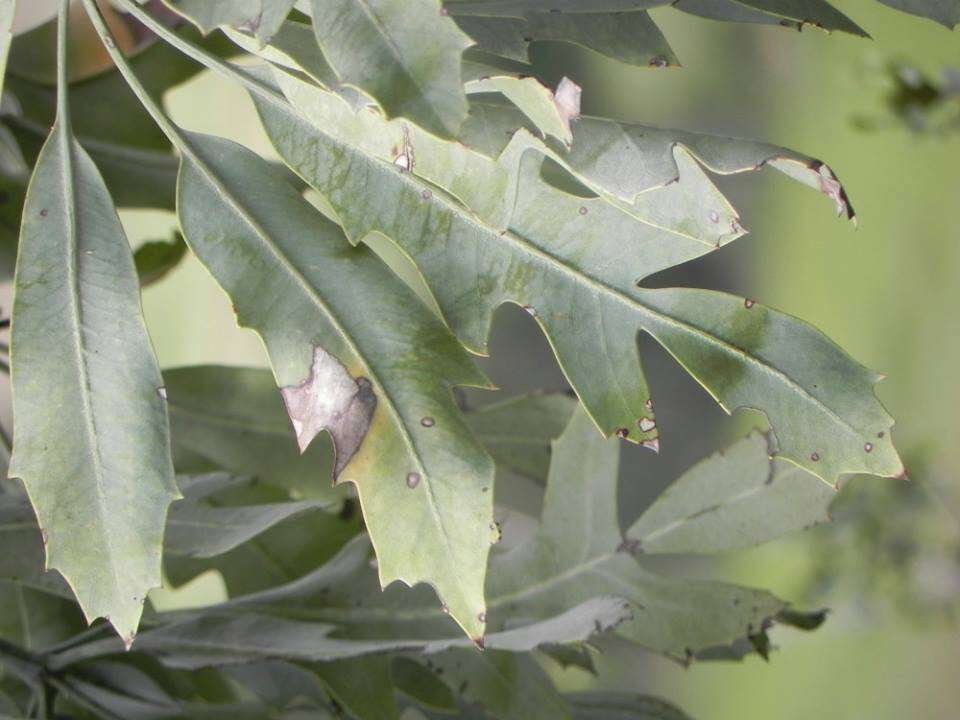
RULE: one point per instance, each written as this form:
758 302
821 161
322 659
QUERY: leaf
629 159
612 705
630 37
508 685
20 537
814 12
91 442
7 10
733 499
294 46
235 418
262 18
378 46
155 259
945 12
278 555
518 432
33 619
361 685
109 121
578 552
14 175
198 528
550 112
563 258
399 436
230 634
417 682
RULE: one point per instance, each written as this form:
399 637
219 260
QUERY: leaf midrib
67 177
312 294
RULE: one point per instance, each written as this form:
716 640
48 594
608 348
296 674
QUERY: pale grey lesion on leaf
331 399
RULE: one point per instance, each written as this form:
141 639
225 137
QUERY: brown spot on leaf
413 479
427 422
331 399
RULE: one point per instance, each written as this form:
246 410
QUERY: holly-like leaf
91 442
565 258
397 432
378 46
735 499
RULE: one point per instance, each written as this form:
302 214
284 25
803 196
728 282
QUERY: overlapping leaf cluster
417 123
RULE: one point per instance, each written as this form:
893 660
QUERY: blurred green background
889 292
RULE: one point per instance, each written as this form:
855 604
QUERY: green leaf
155 259
630 37
945 12
508 685
33 619
262 18
131 153
578 552
294 46
518 432
612 705
563 258
550 112
362 686
199 528
734 499
235 418
14 175
398 434
7 10
414 680
279 555
91 442
230 633
814 12
379 46
629 159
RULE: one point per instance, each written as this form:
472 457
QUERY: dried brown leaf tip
331 399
